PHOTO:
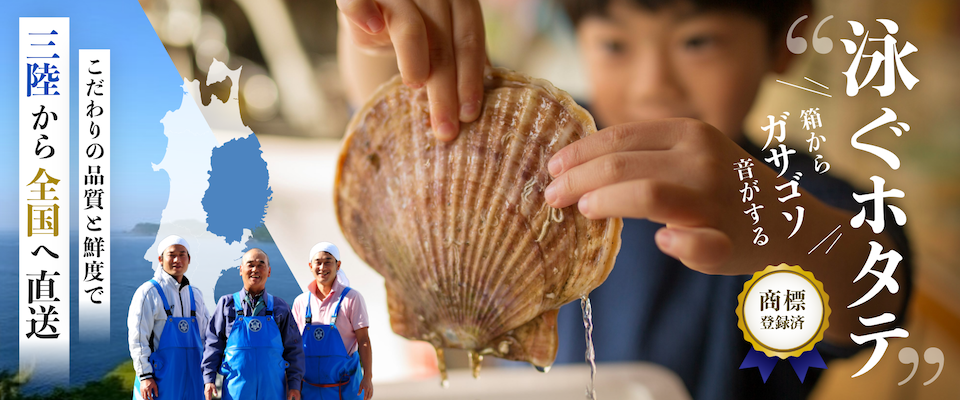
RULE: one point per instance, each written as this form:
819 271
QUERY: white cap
327 247
170 241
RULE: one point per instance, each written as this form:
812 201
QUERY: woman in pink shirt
333 320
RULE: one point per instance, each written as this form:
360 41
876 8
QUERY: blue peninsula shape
239 188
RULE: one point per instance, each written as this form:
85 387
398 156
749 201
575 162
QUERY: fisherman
334 322
164 323
252 340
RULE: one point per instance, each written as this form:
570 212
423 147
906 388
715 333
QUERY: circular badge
255 325
318 334
183 326
783 311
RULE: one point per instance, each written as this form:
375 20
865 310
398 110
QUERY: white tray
626 381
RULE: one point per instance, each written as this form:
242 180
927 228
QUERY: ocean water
91 361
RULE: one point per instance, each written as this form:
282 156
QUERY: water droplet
542 369
590 354
475 360
442 366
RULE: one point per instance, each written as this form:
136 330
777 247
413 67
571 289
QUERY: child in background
671 81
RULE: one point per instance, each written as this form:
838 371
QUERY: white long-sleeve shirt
146 318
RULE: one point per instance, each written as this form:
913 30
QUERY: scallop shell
473 257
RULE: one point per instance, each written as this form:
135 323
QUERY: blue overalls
253 366
176 360
330 373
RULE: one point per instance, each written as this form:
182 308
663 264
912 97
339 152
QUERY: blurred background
290 95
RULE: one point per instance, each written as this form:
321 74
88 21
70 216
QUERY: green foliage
10 385
116 384
125 373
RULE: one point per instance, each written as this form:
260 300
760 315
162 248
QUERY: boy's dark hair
777 15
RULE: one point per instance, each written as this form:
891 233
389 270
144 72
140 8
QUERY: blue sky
145 86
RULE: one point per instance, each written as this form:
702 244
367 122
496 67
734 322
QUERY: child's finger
470 52
609 169
701 249
655 200
363 13
442 82
408 33
645 135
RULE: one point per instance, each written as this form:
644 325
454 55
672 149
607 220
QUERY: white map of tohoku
187 161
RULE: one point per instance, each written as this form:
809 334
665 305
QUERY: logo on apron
318 334
255 325
183 326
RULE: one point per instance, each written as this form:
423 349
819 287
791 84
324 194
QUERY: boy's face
674 63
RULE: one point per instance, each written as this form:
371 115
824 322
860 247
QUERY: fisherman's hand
148 389
439 44
293 394
366 386
209 390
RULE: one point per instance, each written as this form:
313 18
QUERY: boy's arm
680 172
439 44
838 268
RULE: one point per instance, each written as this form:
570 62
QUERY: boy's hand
438 43
679 172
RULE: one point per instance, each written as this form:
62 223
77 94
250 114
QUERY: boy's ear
782 56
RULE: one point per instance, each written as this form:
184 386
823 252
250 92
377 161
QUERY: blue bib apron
253 365
176 360
330 373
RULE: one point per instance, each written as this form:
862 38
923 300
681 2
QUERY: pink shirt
352 316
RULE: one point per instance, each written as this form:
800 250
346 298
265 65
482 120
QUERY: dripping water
442 366
475 360
590 354
542 369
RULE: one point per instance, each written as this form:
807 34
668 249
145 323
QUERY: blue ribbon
757 359
809 359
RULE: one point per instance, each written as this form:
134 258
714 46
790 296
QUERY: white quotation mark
932 355
797 45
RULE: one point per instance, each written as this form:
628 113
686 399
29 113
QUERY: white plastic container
622 381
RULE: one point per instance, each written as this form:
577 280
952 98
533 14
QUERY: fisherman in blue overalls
164 323
253 341
334 322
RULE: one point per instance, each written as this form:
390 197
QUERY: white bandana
170 241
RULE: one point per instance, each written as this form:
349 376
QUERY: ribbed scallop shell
472 256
